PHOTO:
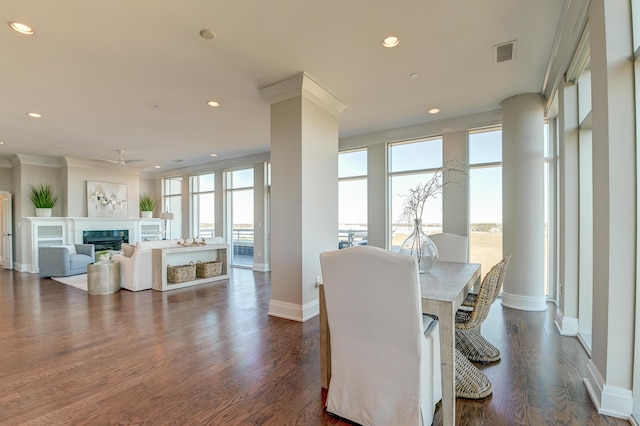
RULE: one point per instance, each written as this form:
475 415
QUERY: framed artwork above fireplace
106 199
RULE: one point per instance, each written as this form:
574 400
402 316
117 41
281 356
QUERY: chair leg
475 347
471 383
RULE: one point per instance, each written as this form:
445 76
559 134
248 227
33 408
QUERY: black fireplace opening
106 240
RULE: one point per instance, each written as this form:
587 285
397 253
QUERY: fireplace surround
47 231
106 239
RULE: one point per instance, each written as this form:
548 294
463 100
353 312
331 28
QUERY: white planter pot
43 212
146 215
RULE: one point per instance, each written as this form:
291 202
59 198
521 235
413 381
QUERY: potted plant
147 205
44 198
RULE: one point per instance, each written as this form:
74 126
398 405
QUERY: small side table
103 277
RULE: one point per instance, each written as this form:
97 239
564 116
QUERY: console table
174 256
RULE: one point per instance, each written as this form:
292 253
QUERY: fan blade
104 159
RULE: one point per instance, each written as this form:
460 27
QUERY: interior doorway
6 217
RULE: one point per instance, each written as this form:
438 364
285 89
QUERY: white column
304 191
455 205
261 214
523 201
377 218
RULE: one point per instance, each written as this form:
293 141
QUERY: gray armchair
62 262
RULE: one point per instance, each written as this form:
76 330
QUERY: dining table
443 290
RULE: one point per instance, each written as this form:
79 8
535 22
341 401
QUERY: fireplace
106 240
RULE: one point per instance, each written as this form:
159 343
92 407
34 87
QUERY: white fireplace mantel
47 231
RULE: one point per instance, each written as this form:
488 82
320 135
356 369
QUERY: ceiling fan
120 161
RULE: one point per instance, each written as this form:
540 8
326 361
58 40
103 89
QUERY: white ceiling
136 75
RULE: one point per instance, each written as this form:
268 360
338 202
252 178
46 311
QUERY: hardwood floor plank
211 355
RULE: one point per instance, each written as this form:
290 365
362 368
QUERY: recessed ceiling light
213 104
434 110
1 143
213 155
390 41
414 75
21 28
207 34
157 167
34 115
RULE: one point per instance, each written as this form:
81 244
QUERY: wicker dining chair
469 340
471 383
470 300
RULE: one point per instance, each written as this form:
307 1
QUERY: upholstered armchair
66 260
385 355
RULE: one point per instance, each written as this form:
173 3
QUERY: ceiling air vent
504 52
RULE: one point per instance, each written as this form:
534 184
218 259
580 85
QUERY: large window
173 204
203 206
240 210
410 164
485 197
352 198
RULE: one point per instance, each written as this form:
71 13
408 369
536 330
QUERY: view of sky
485 183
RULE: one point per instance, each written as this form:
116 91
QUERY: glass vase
420 245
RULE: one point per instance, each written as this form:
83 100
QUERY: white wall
6 180
78 175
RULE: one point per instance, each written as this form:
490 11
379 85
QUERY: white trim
583 343
23 267
293 311
608 400
633 421
524 303
261 267
567 326
303 84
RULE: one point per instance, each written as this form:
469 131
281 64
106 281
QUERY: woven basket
181 273
208 269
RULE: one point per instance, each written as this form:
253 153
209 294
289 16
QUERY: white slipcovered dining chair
451 247
385 355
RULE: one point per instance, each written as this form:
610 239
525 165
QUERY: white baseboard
567 326
609 400
23 267
524 303
633 421
261 267
293 311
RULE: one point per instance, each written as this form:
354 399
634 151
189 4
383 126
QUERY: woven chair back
486 297
505 265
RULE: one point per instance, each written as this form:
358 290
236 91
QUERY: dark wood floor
211 355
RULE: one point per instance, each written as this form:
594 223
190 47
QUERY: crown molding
37 160
304 85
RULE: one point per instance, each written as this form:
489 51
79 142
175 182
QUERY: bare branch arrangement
413 205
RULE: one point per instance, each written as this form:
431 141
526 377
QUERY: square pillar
304 192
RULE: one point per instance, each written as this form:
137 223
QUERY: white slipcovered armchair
451 247
385 355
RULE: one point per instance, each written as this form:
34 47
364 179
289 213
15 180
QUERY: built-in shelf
51 231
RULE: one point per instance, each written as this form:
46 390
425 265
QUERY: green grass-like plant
43 196
147 203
